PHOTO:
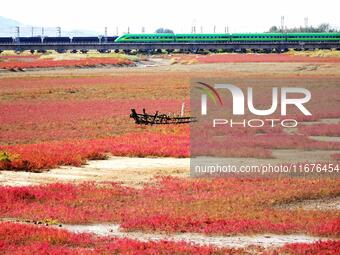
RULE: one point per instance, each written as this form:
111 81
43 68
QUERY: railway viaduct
190 47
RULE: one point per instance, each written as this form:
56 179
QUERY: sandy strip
130 171
266 240
326 138
323 204
136 172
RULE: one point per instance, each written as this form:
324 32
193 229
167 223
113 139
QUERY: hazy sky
179 15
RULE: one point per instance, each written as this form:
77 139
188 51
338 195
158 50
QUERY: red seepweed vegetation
25 239
321 130
216 206
35 157
318 248
336 156
48 63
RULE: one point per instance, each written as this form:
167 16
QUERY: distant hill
7 26
5 22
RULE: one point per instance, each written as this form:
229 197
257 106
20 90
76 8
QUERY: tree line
322 28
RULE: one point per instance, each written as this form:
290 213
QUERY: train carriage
258 37
29 40
108 39
86 39
313 37
6 40
56 40
202 37
237 37
145 38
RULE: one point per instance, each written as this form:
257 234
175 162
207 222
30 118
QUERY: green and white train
258 37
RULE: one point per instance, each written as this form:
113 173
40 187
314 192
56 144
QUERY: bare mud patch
326 138
235 241
133 172
298 156
264 240
311 123
324 204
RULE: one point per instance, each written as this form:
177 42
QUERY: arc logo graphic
211 92
238 99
